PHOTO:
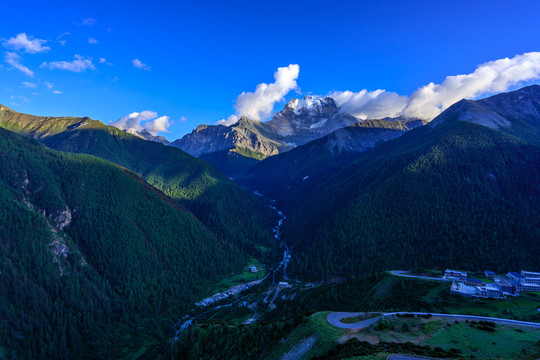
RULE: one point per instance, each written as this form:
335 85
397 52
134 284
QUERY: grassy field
245 276
263 248
522 307
468 338
441 300
358 318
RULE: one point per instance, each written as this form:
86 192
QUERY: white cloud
27 44
370 104
49 85
29 85
161 124
88 22
16 100
102 60
60 39
182 118
140 65
92 41
78 65
14 60
229 121
258 105
430 100
491 77
57 92
137 121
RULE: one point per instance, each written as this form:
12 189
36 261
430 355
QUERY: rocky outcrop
364 135
254 136
62 219
144 134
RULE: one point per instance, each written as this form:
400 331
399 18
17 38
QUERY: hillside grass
316 326
467 338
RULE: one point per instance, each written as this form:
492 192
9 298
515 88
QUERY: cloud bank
370 104
27 44
144 120
78 65
258 105
425 103
430 100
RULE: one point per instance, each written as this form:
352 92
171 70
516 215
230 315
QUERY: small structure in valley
455 275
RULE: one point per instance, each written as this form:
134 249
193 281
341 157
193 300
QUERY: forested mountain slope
233 214
450 194
94 262
278 175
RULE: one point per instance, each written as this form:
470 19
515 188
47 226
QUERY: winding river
186 321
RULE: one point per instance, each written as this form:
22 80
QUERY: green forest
459 195
112 278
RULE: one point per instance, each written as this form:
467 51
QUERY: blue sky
199 56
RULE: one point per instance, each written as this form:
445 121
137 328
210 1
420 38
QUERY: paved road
408 357
334 319
404 274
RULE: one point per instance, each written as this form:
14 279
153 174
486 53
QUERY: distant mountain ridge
144 134
299 122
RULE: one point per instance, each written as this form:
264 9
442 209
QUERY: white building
530 274
488 291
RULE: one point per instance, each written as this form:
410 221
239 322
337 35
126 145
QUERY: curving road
335 317
404 274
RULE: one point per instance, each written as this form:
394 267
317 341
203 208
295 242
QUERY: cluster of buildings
235 290
511 284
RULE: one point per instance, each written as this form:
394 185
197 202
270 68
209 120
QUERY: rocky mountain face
298 123
255 136
144 134
307 119
516 113
364 135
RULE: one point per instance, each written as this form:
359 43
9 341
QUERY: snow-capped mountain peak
310 103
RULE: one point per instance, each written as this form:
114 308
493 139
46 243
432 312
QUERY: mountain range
107 236
463 191
299 122
230 212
